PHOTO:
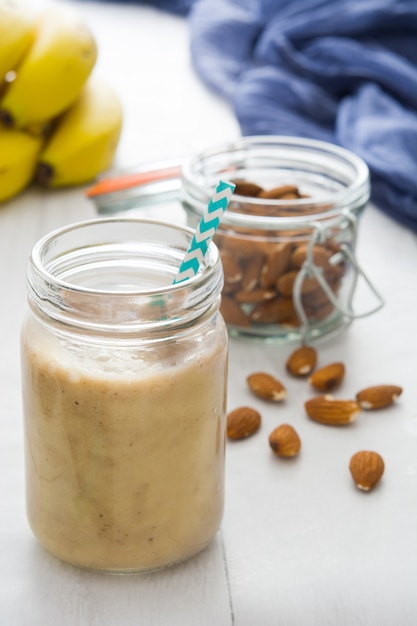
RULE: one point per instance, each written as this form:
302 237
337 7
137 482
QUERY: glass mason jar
287 240
124 388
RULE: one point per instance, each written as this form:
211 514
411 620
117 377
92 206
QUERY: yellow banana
18 157
85 140
16 33
53 72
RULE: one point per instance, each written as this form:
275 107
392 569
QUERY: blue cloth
343 71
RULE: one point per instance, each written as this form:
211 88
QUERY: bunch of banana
57 120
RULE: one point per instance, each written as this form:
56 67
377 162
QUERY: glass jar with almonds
288 238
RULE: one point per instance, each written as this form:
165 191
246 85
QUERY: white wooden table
299 545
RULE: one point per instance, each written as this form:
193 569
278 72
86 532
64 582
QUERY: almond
315 299
321 256
273 311
378 397
328 377
290 195
255 296
232 270
266 386
232 312
290 322
284 441
251 272
276 263
280 192
265 312
302 361
246 188
367 469
321 312
328 410
285 283
243 422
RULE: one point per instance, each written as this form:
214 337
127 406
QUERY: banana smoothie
124 455
124 377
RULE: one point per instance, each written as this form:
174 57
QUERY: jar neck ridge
115 275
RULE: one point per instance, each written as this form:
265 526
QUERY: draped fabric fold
343 71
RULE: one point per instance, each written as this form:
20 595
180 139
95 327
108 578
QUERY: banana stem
44 173
6 118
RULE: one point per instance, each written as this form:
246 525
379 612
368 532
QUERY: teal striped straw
205 232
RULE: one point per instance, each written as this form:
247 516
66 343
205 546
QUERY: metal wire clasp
309 269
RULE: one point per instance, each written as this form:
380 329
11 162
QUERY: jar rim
44 243
75 250
352 196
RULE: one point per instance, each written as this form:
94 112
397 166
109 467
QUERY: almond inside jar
261 267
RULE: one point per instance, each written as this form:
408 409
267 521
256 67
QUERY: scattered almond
266 386
366 468
378 397
302 361
285 441
329 410
243 422
328 377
